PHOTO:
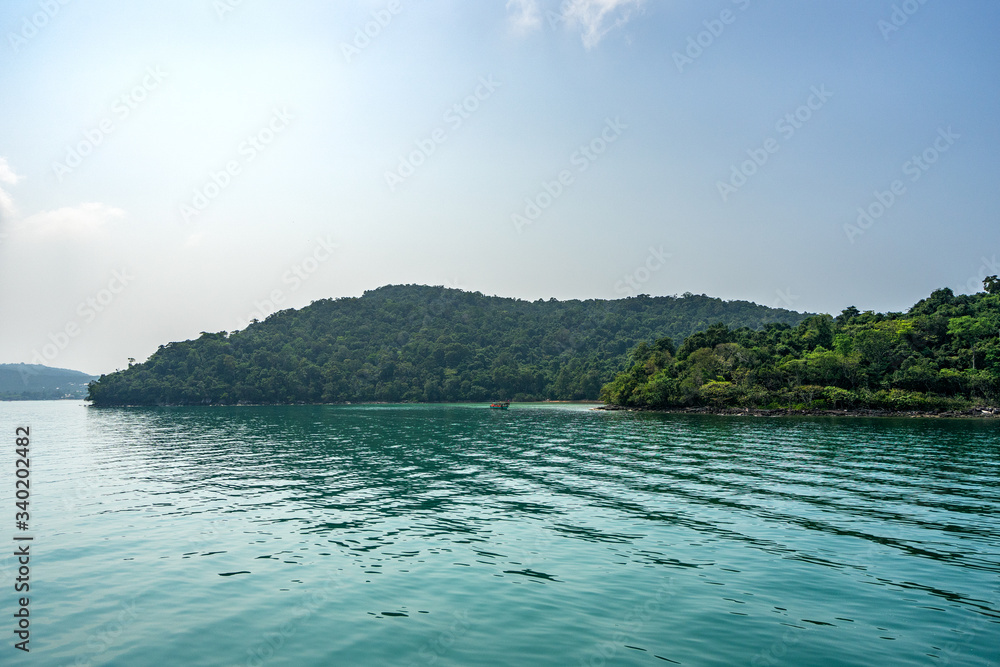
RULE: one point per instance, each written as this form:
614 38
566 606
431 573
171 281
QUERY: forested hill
419 343
19 382
942 355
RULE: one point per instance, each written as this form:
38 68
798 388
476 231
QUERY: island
413 343
418 343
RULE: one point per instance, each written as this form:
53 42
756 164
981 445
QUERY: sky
173 168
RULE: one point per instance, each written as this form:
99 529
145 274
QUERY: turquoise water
544 535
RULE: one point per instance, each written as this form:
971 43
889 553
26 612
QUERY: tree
847 315
944 354
387 345
991 284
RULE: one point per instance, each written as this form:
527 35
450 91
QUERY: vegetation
34 382
943 354
418 343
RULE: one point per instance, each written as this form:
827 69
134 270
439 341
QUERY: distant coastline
984 412
35 382
597 404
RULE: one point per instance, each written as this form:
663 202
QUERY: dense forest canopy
420 343
943 354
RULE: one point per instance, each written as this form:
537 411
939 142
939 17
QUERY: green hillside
20 382
943 354
419 343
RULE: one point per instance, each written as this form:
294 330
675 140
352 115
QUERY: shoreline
90 404
984 412
971 413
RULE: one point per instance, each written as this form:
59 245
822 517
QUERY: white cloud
194 240
71 222
6 207
599 17
595 18
7 176
526 14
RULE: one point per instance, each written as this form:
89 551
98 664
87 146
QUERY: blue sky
172 169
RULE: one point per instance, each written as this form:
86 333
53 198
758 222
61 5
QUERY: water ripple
853 533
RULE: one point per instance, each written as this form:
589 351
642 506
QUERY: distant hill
24 382
420 343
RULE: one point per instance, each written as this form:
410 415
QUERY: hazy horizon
167 170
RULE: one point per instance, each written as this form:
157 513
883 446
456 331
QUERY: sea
546 534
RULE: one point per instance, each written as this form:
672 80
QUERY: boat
500 405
